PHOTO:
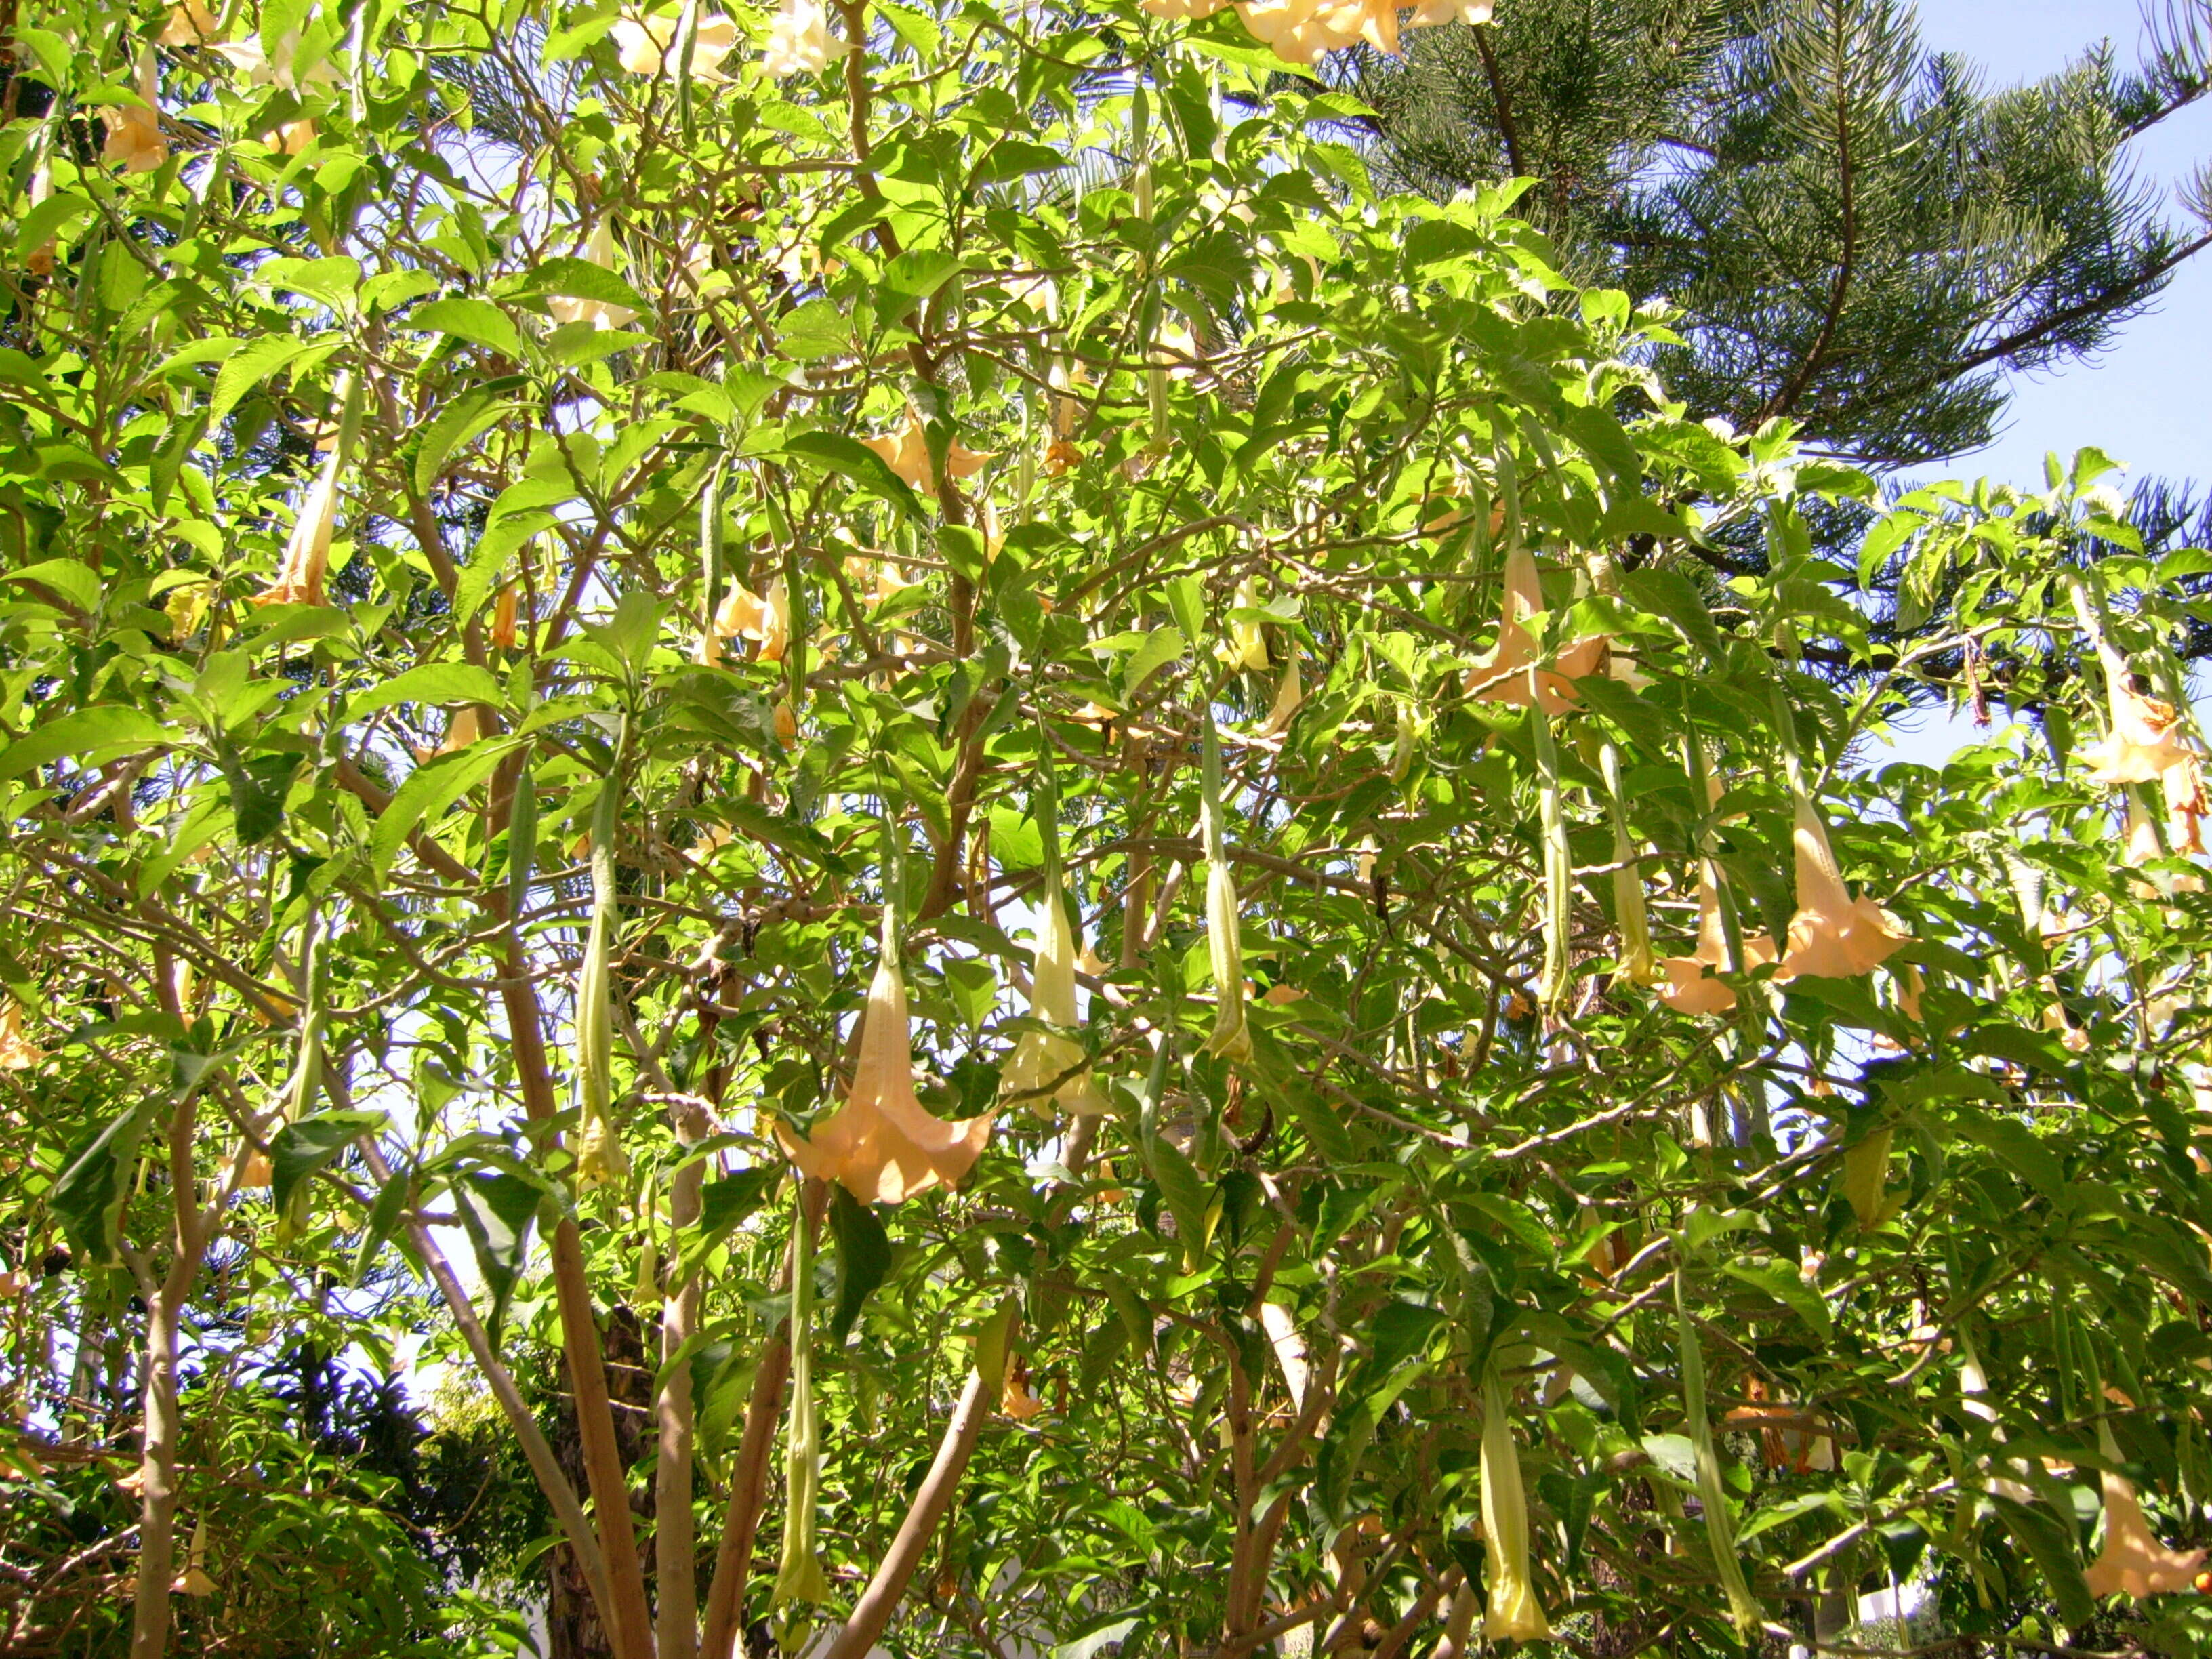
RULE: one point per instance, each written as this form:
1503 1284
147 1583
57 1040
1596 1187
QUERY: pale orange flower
293 137
1509 672
1832 936
191 24
906 451
1289 694
17 1052
2132 1560
1300 31
1691 987
2142 744
1016 1398
299 580
1041 1057
134 131
1430 13
881 1144
506 612
798 38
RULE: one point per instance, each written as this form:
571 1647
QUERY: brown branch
726 1594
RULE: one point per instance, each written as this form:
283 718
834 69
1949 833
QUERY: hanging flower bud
1041 1056
17 1052
1288 696
598 250
1691 987
798 39
798 1575
134 131
1245 646
299 579
1638 965
1225 948
599 1159
1513 1613
1509 672
506 612
881 1144
40 260
786 724
1832 936
1712 1491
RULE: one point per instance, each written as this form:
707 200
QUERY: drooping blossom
2131 1560
191 24
1245 646
194 1579
744 614
1832 936
1508 672
134 131
1513 1613
17 1052
599 250
798 38
1016 1398
1691 987
277 68
650 45
1224 951
1041 1056
299 579
881 1144
506 613
1430 13
906 451
2143 742
1289 694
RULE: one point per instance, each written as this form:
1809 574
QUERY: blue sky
2139 401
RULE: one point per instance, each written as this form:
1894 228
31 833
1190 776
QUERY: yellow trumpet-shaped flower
1017 1399
194 1580
1509 672
881 1144
798 38
744 615
134 131
299 579
906 451
1245 646
1300 31
2131 1559
1289 694
2143 742
1691 987
1041 1057
650 45
1832 936
17 1052
506 612
1514 1612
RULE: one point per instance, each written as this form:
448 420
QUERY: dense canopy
996 869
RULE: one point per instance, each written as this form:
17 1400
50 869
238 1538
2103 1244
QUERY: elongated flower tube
881 1144
798 1576
599 1159
598 250
1832 936
194 1579
1513 1613
1289 694
1713 1494
299 579
1246 645
1224 943
1041 1056
1510 672
2131 1560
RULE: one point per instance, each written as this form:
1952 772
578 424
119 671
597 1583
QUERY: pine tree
1861 235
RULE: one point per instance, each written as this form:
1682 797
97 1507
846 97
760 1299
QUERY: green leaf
73 582
580 279
856 461
497 1210
477 321
249 366
85 735
429 790
864 1256
88 1195
915 274
302 1148
2050 1543
446 684
1184 1192
459 424
1668 593
48 220
1160 647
